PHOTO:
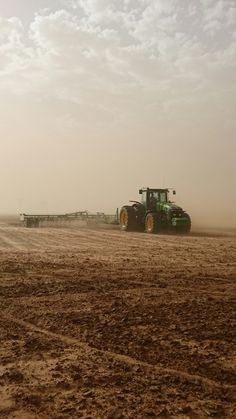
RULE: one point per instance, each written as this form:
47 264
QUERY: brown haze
89 117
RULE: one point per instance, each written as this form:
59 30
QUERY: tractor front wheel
186 228
151 223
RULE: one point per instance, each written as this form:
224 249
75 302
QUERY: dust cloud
44 170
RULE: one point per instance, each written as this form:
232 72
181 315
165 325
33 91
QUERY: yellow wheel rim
123 218
149 223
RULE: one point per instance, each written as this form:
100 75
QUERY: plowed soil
97 323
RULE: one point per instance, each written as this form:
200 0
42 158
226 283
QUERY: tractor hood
170 206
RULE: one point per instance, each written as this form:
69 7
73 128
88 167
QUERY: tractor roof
154 189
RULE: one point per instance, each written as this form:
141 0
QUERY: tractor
155 213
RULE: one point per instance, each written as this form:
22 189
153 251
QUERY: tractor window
155 195
163 197
153 199
144 198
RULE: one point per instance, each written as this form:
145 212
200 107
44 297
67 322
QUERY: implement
35 220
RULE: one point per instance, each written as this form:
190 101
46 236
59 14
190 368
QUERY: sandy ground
105 324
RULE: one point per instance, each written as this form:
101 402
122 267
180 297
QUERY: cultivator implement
37 220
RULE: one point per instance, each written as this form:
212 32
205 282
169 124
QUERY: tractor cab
151 197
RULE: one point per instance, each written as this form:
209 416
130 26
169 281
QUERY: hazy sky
101 97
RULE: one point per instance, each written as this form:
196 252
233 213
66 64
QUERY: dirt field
104 324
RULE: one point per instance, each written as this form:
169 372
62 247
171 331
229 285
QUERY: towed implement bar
34 220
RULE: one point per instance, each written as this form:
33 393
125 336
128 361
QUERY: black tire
139 211
127 218
151 223
187 227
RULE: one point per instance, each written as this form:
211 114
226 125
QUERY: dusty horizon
98 99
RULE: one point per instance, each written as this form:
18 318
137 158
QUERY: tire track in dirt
10 243
193 378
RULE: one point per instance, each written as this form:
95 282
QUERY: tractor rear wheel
127 218
151 223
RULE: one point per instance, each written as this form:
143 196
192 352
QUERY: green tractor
155 213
